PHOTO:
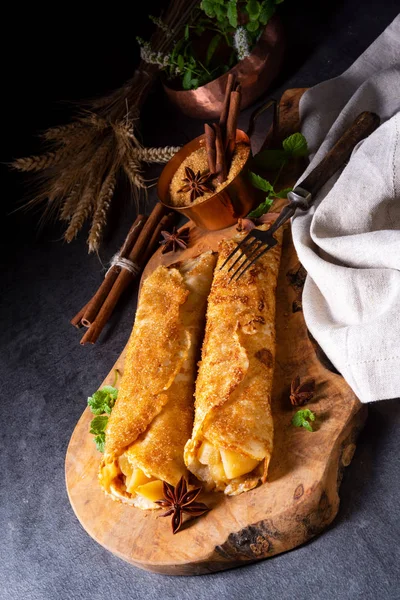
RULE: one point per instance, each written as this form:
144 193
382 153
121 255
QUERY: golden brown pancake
153 416
232 438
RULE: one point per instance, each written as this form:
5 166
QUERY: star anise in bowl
179 500
196 183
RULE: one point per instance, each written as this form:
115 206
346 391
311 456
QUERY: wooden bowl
255 73
224 208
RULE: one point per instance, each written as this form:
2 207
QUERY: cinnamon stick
166 223
225 106
136 256
209 136
76 321
94 305
231 125
221 169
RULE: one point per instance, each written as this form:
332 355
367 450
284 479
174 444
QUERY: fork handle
363 126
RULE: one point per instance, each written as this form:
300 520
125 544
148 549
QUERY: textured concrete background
46 375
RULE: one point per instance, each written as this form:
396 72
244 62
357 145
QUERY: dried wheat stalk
88 155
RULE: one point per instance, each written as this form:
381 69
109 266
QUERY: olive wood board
300 497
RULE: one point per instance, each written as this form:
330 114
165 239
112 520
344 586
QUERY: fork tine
250 263
245 249
247 238
247 257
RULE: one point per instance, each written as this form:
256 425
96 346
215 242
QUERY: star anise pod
196 183
300 394
174 240
180 500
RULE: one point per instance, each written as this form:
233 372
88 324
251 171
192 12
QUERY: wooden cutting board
300 497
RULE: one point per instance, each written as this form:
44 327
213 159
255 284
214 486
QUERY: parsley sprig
302 418
101 404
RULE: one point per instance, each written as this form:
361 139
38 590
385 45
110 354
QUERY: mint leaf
181 62
253 9
100 441
260 183
213 45
267 11
302 418
296 145
232 13
282 194
252 26
187 80
98 425
271 159
261 209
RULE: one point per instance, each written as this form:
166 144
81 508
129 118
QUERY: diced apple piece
217 472
137 479
109 472
208 455
152 491
236 465
125 465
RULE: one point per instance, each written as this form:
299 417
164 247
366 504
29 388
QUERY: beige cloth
350 240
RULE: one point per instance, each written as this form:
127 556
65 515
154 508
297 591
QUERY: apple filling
225 465
130 483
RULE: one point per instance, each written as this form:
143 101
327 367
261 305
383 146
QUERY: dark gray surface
46 375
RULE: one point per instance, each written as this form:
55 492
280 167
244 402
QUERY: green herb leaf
282 193
98 425
296 145
186 35
267 11
181 63
252 26
232 13
302 418
187 80
260 183
261 209
103 400
253 8
100 441
208 7
213 45
271 159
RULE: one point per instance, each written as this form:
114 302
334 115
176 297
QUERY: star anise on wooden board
301 393
174 240
196 183
180 500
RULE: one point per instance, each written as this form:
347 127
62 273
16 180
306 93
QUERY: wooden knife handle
363 126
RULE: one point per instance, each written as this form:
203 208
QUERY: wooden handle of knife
363 126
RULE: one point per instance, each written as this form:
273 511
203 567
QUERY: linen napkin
349 242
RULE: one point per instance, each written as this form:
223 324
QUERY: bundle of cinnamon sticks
220 137
141 242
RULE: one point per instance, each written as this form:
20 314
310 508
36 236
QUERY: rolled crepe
232 437
153 416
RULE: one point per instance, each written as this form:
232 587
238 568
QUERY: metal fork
257 243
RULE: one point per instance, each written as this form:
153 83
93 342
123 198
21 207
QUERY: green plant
302 419
230 26
294 146
100 403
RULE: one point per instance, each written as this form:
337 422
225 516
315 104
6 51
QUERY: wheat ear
83 210
100 214
39 163
157 155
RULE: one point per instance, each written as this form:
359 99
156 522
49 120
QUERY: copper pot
255 73
223 208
